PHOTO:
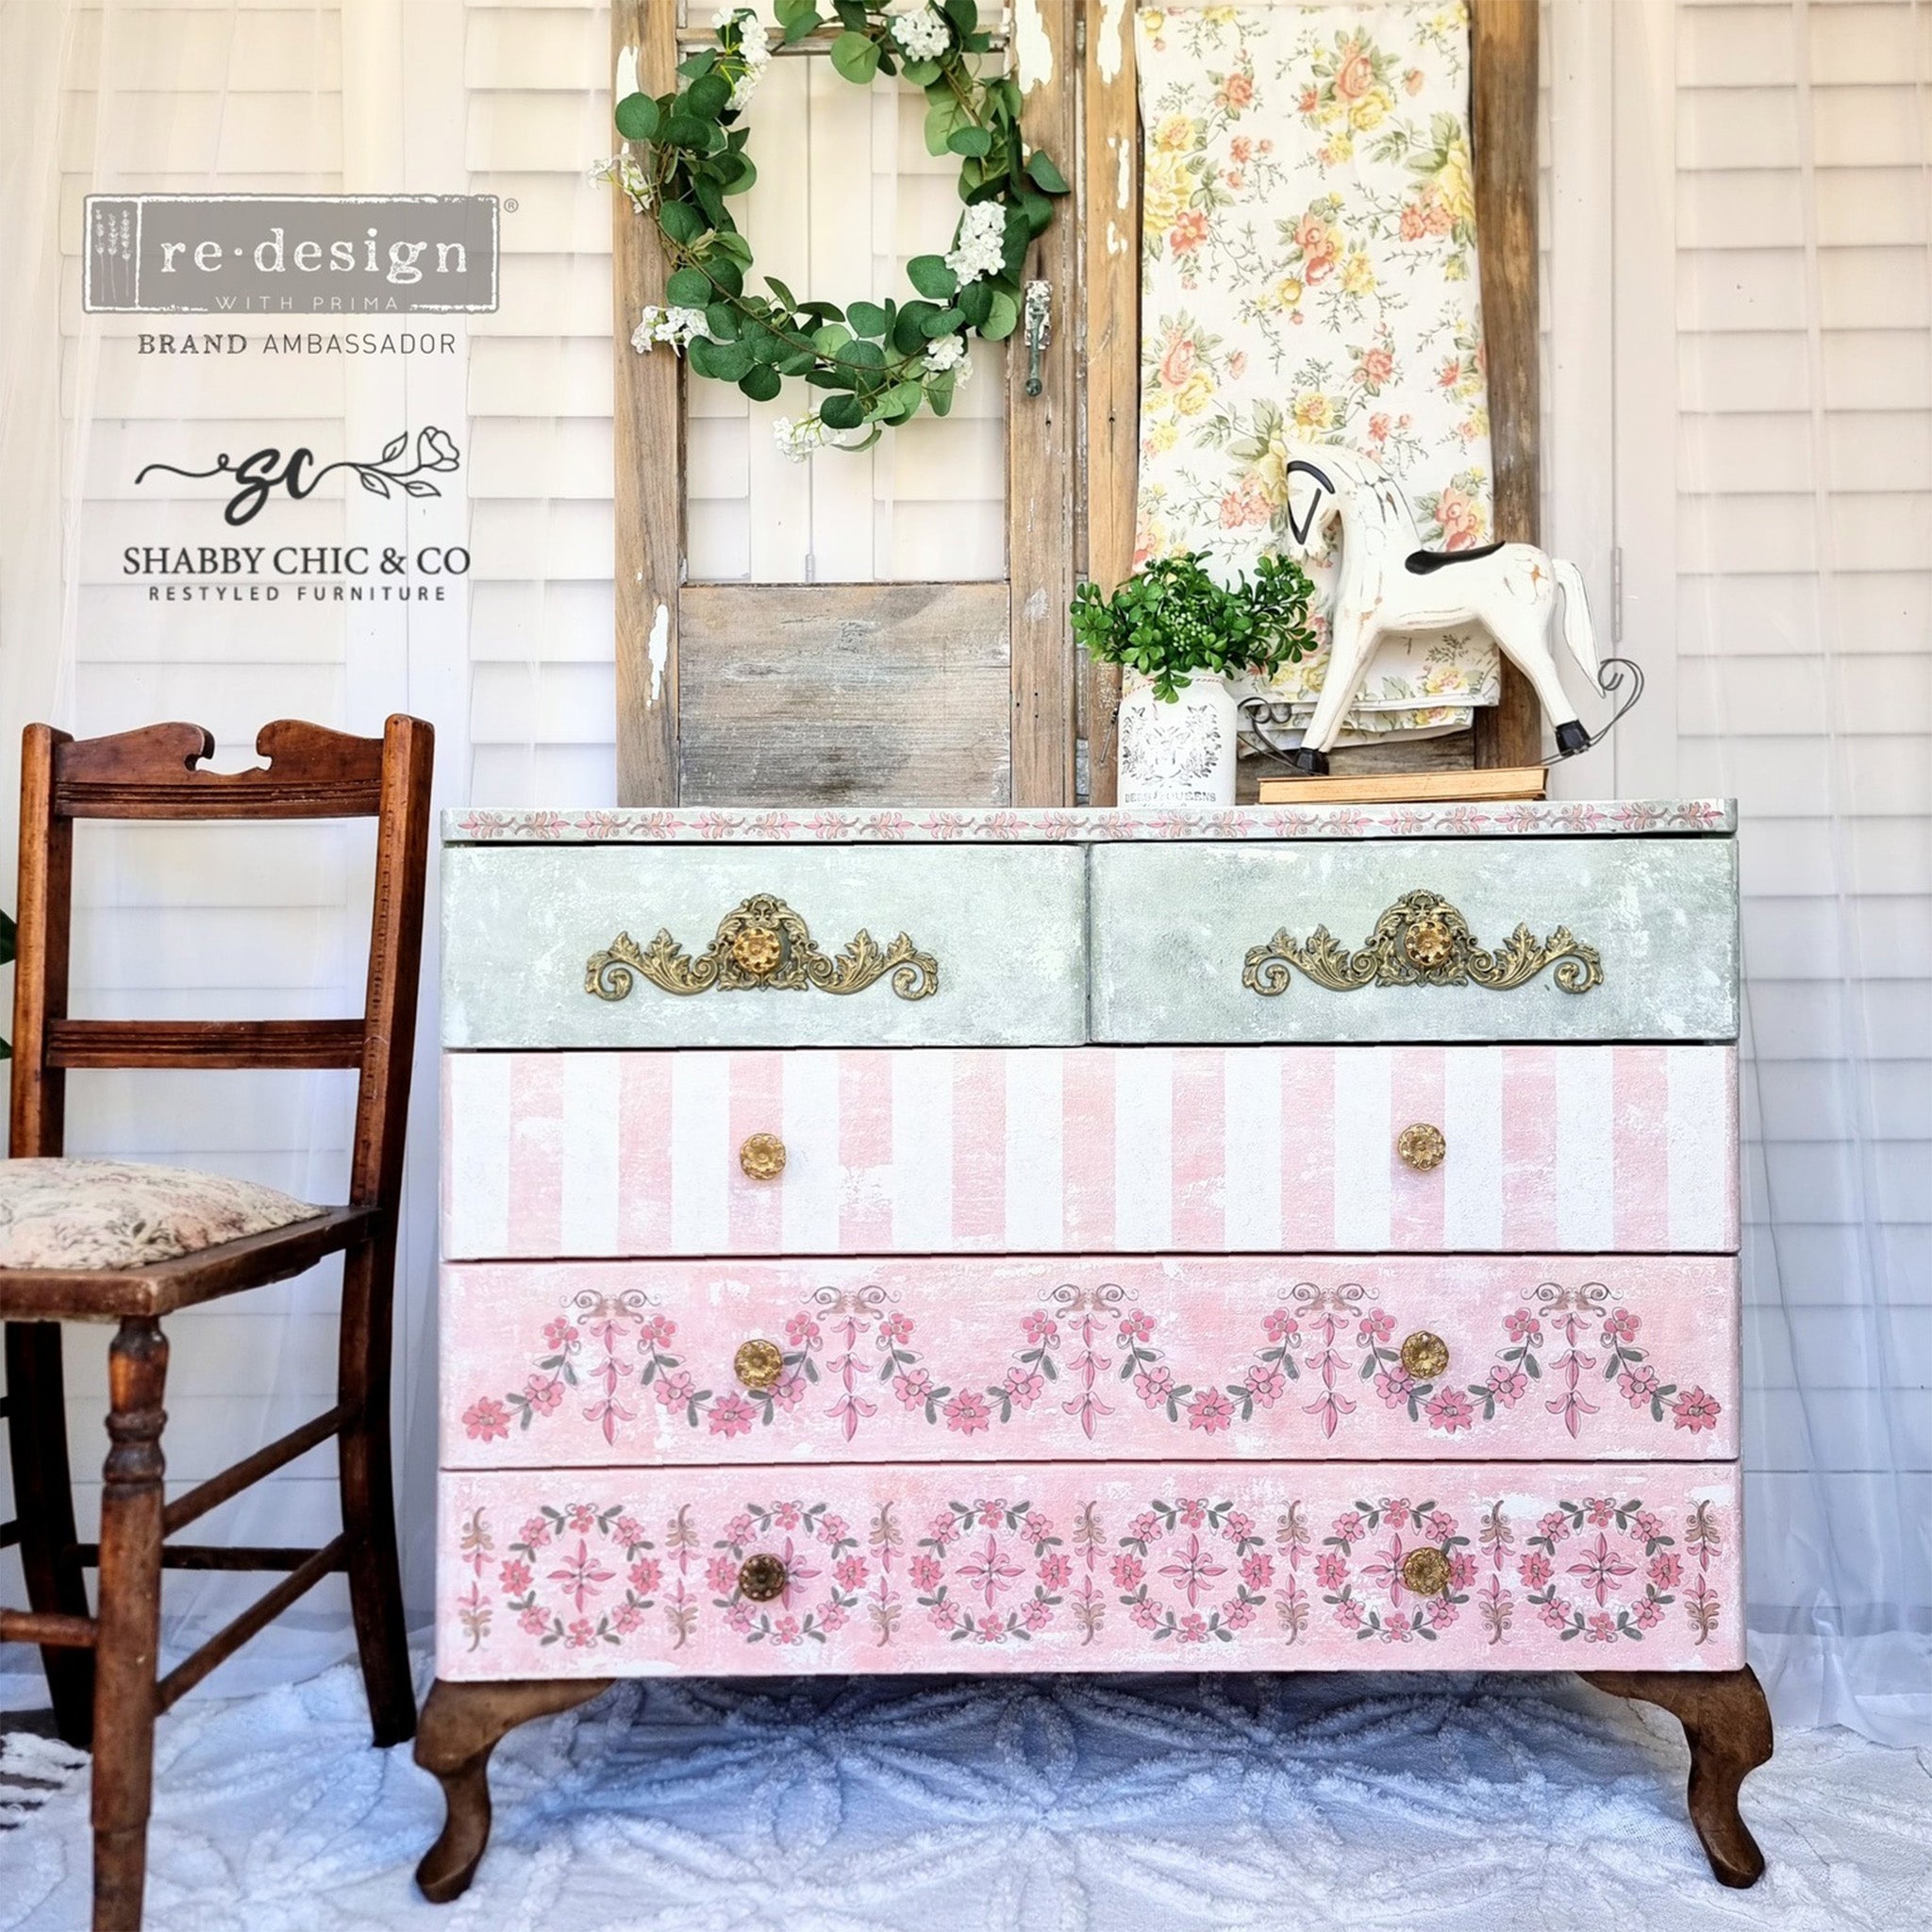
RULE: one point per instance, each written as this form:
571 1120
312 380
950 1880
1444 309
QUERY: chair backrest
308 773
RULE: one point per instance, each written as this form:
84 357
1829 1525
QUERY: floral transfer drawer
1495 1357
1110 1567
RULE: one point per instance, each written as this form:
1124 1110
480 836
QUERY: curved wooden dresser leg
1727 1725
461 1725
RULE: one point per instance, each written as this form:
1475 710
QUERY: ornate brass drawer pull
758 1364
761 1579
762 948
1421 940
1425 1572
762 1156
1425 1355
1421 1145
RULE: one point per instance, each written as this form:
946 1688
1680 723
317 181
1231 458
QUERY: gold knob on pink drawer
758 1364
762 1156
761 1579
1425 1572
1420 1146
1423 1355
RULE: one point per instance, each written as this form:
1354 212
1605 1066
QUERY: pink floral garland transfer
1325 1349
1186 1570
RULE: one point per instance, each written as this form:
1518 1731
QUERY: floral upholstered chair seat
123 1214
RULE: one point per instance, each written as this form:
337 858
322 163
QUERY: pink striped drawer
1098 1149
1122 1357
1110 1567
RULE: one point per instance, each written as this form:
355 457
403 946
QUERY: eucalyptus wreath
877 363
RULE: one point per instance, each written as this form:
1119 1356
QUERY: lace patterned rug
995 1805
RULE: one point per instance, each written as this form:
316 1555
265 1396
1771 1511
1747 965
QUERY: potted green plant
1179 637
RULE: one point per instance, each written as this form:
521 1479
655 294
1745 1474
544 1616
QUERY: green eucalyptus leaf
963 13
795 364
708 97
922 73
728 360
930 275
941 119
901 401
746 176
721 320
832 339
637 117
825 378
783 292
908 327
842 412
761 384
856 57
942 323
970 140
686 131
710 199
1002 320
867 318
865 355
681 222
1046 176
939 392
726 274
697 65
976 302
800 25
688 288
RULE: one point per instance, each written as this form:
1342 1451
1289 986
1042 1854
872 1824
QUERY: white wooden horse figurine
1390 585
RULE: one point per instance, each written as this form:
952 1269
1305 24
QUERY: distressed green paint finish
1005 924
1171 925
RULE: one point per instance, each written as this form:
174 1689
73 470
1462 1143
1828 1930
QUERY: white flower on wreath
921 31
677 326
755 49
981 249
797 440
625 172
949 352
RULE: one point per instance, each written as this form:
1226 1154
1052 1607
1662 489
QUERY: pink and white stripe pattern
1625 1149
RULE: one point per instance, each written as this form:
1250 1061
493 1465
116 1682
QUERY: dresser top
750 825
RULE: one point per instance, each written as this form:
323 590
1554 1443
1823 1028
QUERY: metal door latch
1039 332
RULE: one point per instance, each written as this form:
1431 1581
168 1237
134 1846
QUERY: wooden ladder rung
204 1044
47 1629
257 1616
251 1469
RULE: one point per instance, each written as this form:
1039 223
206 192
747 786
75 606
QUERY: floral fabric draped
1309 273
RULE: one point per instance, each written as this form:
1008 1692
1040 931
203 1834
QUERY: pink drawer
584 1363
1133 1150
1112 1567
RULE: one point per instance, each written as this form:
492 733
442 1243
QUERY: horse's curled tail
1578 633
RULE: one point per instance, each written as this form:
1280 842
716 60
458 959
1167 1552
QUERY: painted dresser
1291 1238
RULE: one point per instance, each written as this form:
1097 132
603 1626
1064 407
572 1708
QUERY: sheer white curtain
1772 360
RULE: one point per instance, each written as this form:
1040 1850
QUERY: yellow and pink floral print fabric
1308 273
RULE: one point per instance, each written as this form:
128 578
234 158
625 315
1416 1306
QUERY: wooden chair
102 1670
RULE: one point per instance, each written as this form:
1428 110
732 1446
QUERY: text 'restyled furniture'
1284 1238
94 1241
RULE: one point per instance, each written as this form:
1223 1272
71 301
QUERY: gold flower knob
758 1364
1429 943
761 1579
762 1156
1420 1146
1425 1355
1425 1572
757 949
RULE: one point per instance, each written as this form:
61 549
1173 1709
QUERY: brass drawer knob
1423 1355
1425 1572
762 1156
758 1364
761 1579
1420 1146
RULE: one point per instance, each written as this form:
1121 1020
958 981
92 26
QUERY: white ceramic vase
1181 752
